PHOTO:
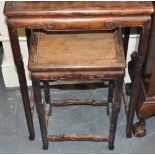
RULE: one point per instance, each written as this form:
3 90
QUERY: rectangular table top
82 50
77 8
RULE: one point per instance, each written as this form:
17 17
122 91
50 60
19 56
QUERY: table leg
115 110
126 40
22 79
125 45
40 107
138 72
28 36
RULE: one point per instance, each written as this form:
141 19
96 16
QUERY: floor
71 119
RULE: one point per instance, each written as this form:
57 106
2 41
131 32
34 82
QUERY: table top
77 8
76 50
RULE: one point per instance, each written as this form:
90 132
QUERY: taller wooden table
78 16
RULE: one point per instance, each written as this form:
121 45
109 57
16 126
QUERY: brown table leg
138 72
22 79
40 107
115 110
126 40
125 45
28 36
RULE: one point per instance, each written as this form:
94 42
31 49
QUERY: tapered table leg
138 73
115 110
22 79
126 40
28 36
110 95
46 87
40 107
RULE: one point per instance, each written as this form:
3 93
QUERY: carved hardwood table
78 16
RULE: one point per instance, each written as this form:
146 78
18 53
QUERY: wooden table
78 16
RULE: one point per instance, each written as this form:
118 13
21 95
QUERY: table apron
68 24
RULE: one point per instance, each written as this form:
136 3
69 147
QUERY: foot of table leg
31 137
139 130
111 147
45 146
129 135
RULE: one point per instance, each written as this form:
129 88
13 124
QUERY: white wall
8 68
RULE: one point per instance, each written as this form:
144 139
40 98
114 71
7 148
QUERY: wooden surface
86 50
148 108
76 137
147 101
78 8
151 91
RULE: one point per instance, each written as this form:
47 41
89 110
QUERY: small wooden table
78 16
